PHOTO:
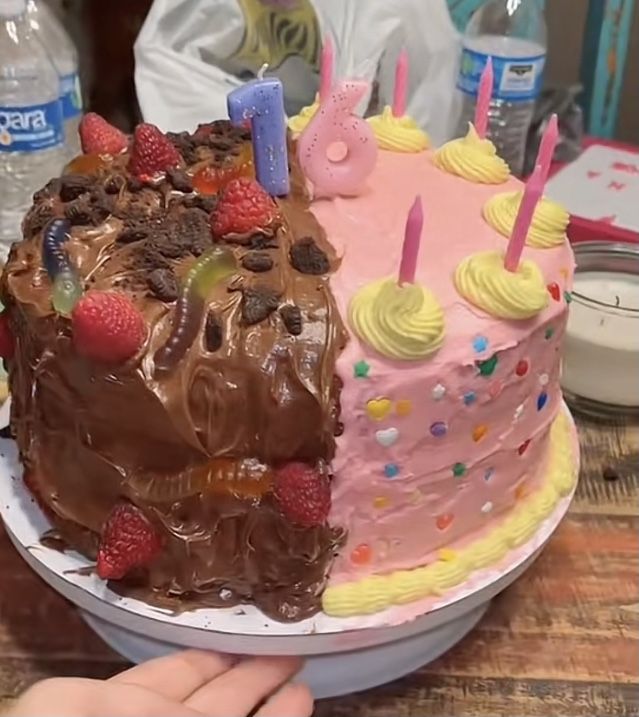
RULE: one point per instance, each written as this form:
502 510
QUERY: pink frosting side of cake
401 491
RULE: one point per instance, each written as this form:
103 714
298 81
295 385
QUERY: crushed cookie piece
79 212
257 262
308 258
258 303
179 180
163 284
73 186
213 333
292 317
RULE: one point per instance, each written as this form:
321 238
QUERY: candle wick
617 300
262 71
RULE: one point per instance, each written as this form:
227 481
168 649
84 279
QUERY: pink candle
400 91
326 68
547 146
412 240
484 94
532 194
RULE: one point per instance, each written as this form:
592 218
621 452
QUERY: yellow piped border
378 592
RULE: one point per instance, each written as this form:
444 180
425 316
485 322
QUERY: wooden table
563 640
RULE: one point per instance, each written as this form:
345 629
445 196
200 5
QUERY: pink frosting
404 501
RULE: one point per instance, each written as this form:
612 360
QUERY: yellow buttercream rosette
398 134
473 159
400 322
549 224
484 282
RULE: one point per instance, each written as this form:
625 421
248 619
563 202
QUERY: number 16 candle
262 102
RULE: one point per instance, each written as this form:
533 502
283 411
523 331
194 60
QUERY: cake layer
435 449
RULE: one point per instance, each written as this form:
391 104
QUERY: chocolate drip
194 447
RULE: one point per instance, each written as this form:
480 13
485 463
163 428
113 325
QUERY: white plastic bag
191 53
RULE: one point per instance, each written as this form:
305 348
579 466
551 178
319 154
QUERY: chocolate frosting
193 447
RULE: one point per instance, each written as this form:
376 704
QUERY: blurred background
580 36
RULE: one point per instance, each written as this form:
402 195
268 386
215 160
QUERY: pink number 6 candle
333 123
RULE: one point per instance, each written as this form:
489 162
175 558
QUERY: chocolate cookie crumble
308 258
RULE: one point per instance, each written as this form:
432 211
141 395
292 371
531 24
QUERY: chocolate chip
163 284
212 332
257 261
114 183
133 184
179 180
609 473
79 212
308 258
50 189
292 317
257 304
74 185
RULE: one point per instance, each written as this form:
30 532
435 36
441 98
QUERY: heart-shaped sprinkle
381 502
542 399
403 407
487 507
522 367
521 491
554 290
378 408
387 437
391 470
459 469
523 447
443 521
479 432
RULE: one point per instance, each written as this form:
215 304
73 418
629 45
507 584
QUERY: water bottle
65 58
513 33
31 124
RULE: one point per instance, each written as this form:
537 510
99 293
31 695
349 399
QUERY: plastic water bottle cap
11 8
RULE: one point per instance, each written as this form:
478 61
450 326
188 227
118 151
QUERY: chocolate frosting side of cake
195 446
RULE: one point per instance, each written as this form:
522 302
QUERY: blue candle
262 102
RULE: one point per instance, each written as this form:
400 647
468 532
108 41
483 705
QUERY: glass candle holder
600 366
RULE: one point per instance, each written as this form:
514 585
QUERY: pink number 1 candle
327 61
532 194
400 91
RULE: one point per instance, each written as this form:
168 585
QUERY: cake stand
343 655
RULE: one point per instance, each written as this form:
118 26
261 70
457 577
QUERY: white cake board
344 655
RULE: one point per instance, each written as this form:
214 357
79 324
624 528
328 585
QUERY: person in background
185 684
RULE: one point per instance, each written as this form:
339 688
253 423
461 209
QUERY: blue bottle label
515 79
31 129
70 95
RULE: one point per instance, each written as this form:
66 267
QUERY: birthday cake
222 397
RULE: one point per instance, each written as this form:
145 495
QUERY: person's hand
186 684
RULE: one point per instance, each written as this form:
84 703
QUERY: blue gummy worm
54 257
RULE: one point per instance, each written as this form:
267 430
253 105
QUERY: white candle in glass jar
601 348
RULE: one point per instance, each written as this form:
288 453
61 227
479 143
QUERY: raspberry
243 207
128 541
7 343
107 327
151 152
303 494
97 136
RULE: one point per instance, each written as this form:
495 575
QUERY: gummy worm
67 287
211 268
